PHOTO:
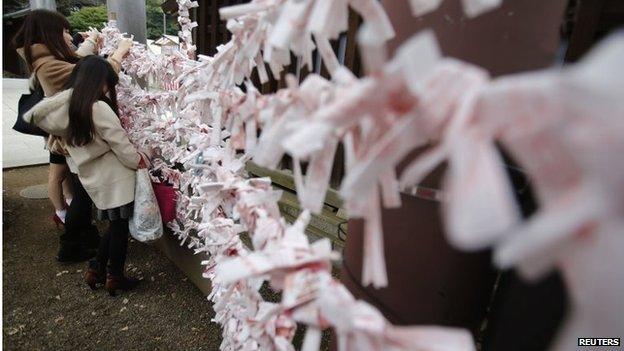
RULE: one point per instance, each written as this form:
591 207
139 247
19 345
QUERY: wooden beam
169 7
585 28
326 224
185 259
285 179
214 20
351 49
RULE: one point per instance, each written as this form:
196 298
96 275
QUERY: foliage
66 7
89 16
9 6
95 16
83 14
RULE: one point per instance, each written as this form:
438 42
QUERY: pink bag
166 198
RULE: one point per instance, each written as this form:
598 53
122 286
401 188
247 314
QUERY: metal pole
43 4
131 17
164 24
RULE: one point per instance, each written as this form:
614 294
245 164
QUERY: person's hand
92 34
56 146
122 49
145 160
124 46
143 163
149 152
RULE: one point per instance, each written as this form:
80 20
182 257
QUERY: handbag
26 102
145 224
167 199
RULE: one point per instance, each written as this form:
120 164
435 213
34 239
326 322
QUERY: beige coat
106 166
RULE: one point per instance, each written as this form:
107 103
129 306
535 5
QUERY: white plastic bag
145 223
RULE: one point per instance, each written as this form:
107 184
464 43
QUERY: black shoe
91 237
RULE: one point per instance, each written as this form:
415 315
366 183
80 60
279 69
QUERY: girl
85 117
44 43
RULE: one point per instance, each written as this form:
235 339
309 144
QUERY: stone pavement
18 149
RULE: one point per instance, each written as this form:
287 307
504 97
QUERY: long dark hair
44 27
88 79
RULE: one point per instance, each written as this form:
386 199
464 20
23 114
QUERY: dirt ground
46 305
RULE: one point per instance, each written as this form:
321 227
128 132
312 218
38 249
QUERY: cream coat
106 166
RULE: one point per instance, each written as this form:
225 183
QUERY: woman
44 43
85 117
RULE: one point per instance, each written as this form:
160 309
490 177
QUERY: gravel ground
46 305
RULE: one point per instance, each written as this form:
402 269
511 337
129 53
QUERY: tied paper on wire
217 203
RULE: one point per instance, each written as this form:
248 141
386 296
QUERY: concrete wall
43 4
131 17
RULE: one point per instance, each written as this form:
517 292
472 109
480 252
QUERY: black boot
71 251
91 237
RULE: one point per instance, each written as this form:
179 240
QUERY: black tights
113 247
79 217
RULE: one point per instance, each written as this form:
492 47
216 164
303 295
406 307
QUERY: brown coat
53 73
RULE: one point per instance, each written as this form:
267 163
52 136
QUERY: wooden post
131 17
43 4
